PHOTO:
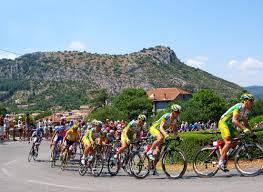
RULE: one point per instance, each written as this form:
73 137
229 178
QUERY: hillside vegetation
42 80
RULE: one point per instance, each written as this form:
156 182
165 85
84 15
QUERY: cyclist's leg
227 135
124 145
159 138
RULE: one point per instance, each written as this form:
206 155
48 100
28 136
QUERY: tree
107 112
99 98
3 110
133 101
203 106
257 108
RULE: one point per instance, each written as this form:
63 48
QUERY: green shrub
255 120
194 141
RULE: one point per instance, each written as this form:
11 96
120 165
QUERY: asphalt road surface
17 174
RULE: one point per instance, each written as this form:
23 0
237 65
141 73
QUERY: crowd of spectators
21 127
197 126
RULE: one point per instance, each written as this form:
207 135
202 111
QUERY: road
16 174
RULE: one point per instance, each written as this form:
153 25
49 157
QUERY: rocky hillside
44 79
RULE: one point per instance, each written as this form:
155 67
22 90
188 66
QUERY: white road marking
55 185
6 172
10 162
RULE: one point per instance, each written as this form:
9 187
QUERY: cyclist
92 135
37 136
71 137
57 137
134 127
159 129
229 120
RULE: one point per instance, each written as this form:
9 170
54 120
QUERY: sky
224 38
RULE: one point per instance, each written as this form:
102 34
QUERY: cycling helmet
142 117
247 96
176 108
99 123
94 122
75 127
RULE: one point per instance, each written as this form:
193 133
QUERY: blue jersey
38 132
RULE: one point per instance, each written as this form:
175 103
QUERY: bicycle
54 154
65 157
122 161
206 160
97 163
33 153
173 161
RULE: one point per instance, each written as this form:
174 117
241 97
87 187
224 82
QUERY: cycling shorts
226 130
69 143
58 138
155 132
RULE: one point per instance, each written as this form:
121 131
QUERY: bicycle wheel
64 161
249 160
174 163
82 168
113 165
139 164
30 155
206 161
97 165
35 154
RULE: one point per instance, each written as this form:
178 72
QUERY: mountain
257 91
44 79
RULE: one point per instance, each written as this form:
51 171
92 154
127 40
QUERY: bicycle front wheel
206 161
35 154
97 165
174 163
30 155
82 168
113 165
249 160
139 164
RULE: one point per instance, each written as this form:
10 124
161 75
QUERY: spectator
20 126
6 127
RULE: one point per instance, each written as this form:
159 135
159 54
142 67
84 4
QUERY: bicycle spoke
205 162
174 163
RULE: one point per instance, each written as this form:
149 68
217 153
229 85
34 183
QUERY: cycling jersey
37 133
72 136
132 128
225 124
167 122
95 135
234 110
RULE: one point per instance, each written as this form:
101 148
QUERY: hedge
194 141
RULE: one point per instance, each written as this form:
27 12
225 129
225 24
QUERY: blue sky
224 38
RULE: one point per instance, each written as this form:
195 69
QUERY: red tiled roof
167 94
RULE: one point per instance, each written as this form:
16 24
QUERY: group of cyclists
232 122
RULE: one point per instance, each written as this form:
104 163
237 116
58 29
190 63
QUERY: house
161 97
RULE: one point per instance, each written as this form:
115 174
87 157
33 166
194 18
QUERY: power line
10 51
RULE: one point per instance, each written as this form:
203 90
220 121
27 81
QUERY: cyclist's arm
245 122
126 132
162 129
64 139
53 137
90 137
174 129
236 122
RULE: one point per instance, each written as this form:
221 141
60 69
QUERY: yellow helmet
75 126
